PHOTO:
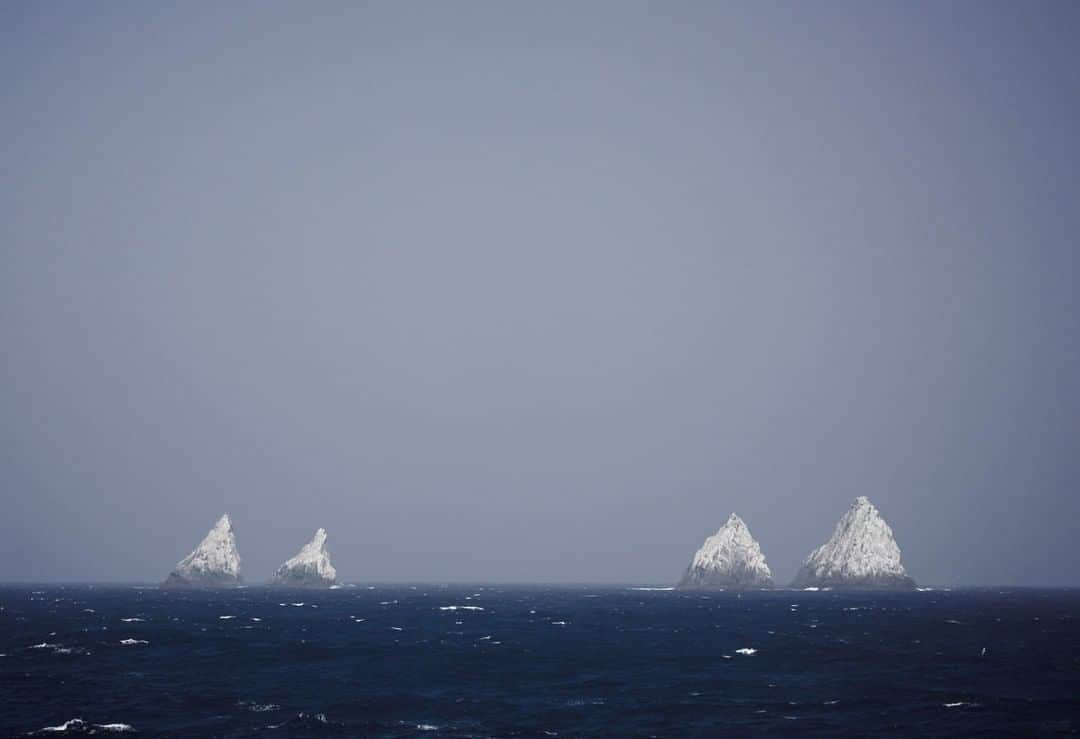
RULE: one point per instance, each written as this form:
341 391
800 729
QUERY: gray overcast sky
538 291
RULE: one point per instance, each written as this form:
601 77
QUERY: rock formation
861 554
215 563
310 568
729 559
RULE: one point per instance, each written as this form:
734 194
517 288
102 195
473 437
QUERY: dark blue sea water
477 661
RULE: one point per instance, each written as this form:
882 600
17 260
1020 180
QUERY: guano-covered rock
215 563
862 554
729 559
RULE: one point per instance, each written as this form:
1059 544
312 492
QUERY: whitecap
77 724
558 623
133 642
226 618
651 589
811 589
259 707
460 608
397 628
132 620
746 650
427 727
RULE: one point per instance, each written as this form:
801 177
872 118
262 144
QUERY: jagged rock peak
310 567
214 563
861 553
729 559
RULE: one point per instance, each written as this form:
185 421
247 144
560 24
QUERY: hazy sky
537 291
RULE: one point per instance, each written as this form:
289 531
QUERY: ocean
536 661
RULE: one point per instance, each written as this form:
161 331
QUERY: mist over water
506 293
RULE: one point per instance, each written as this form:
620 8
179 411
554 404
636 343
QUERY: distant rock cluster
861 554
215 563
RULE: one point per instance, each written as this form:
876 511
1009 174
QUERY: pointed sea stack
861 555
310 568
730 559
215 563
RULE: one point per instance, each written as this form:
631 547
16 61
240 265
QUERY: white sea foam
259 707
558 623
427 727
133 642
746 650
460 608
77 724
132 620
226 618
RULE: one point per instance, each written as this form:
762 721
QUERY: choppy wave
576 661
78 726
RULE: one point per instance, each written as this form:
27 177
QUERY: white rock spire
310 567
214 563
862 553
730 558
